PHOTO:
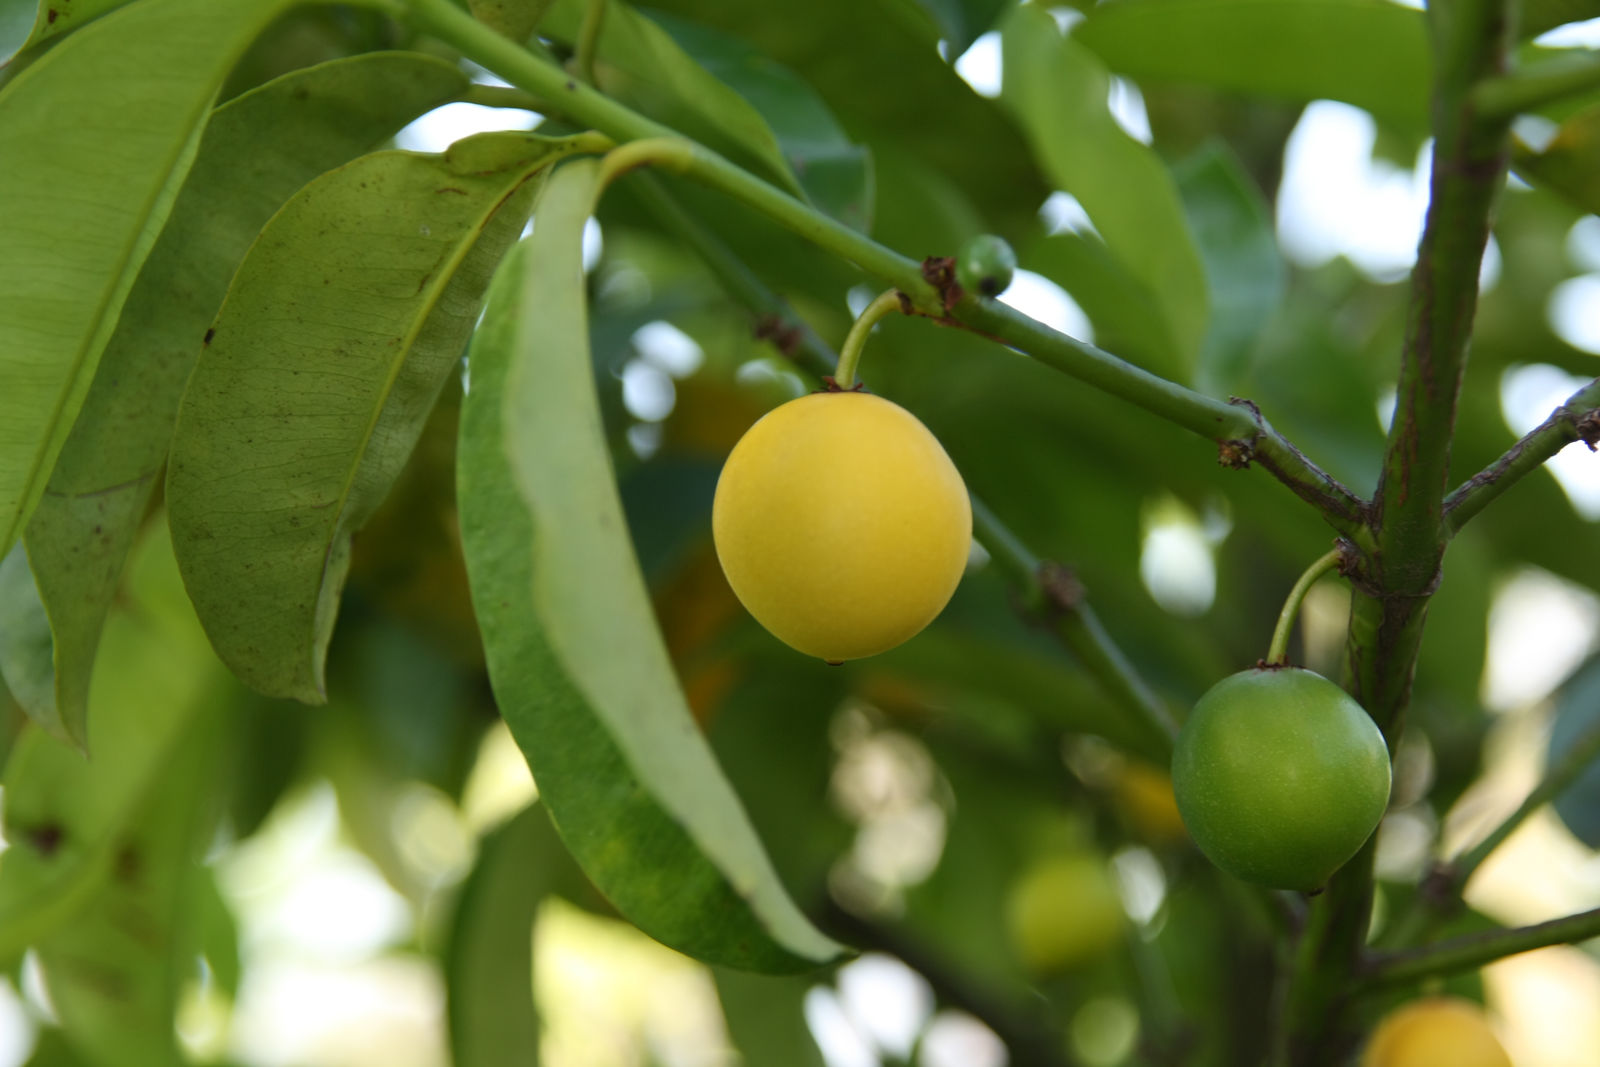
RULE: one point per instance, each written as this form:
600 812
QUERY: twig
1474 950
1534 86
1576 420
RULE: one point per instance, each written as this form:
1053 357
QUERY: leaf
835 172
65 817
96 136
963 21
489 963
1245 272
1577 714
1537 16
843 48
1117 303
338 332
1570 163
577 665
638 63
517 19
255 153
1370 53
53 18
1058 89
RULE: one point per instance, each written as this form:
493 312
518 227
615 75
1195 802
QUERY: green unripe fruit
986 265
1280 776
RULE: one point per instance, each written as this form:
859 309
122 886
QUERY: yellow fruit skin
841 524
1435 1032
1063 913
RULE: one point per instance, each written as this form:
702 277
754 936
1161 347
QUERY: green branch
1044 588
1533 87
1475 950
1238 428
1393 582
594 20
1576 420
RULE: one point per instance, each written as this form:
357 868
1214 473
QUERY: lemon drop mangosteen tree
432 459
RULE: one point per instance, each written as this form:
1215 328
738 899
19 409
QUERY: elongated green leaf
489 965
256 152
1245 272
50 18
835 172
1541 15
96 137
340 327
1370 53
962 21
65 817
1058 89
640 64
1570 163
578 667
843 48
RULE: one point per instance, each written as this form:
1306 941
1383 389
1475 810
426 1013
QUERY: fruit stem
594 18
887 303
1278 651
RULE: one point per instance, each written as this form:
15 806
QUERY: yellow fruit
841 524
1435 1032
1063 913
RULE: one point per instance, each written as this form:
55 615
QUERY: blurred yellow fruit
1435 1032
1145 796
842 525
1064 912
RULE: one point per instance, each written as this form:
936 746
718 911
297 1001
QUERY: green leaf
67 818
835 172
1537 16
517 19
963 21
1117 303
577 664
1370 53
843 48
338 332
1059 90
489 963
289 130
1570 163
51 19
1245 272
638 63
1577 713
96 136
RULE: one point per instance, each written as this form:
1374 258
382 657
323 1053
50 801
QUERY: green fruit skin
1280 776
986 265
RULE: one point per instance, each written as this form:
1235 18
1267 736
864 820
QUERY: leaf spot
46 837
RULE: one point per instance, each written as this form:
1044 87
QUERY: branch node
1062 590
940 272
785 336
1235 454
1588 427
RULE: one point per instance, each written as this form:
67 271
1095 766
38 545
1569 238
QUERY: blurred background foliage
380 884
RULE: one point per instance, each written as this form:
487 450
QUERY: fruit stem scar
1278 650
886 303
